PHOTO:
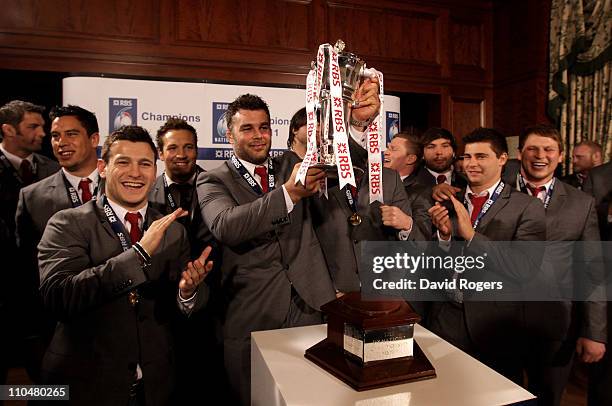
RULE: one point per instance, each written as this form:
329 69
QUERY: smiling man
74 138
571 215
273 271
114 272
490 332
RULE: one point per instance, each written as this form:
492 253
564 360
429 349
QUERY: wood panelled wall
443 47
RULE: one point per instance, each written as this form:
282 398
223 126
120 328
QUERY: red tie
441 179
85 192
263 174
535 190
25 172
133 219
477 203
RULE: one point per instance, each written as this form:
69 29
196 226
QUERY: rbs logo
121 112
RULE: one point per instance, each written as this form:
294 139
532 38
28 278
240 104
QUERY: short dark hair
297 121
245 102
593 146
131 133
412 138
174 124
86 118
543 130
435 133
496 139
12 113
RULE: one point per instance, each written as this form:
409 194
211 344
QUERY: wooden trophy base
378 374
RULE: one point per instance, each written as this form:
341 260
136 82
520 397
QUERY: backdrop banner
149 103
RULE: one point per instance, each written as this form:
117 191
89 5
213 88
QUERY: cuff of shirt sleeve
288 202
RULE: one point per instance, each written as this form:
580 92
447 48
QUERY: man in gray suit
599 184
111 274
273 270
177 144
74 138
21 136
492 332
570 216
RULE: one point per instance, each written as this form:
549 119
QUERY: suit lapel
241 182
57 189
558 198
102 217
499 204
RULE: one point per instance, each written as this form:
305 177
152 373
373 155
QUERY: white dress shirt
16 161
75 180
250 167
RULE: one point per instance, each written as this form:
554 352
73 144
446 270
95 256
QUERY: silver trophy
352 71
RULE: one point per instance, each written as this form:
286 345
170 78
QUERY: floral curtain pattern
580 75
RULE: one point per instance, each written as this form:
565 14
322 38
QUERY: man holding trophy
357 207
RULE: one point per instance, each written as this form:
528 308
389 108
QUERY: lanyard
523 188
117 226
249 179
351 198
10 168
169 197
485 208
73 195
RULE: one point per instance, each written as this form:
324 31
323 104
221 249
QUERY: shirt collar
120 211
489 190
546 185
14 159
75 180
250 167
448 174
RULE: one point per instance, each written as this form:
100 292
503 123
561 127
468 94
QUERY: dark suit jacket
9 187
266 251
11 268
498 327
100 338
198 233
570 217
599 184
341 241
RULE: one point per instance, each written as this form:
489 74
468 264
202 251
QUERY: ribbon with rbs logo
374 142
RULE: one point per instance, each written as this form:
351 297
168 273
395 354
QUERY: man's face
539 158
29 133
582 158
438 155
129 174
250 135
397 156
481 165
72 147
179 153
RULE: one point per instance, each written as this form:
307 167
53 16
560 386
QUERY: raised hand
152 237
313 184
195 272
394 217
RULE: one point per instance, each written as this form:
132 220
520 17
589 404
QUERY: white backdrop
150 103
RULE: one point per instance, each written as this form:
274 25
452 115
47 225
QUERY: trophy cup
352 71
330 86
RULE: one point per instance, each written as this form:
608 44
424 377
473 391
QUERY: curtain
580 75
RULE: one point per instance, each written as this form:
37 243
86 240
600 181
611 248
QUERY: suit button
129 282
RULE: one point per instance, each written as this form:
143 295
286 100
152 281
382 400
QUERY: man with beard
273 270
439 149
177 144
21 136
570 216
585 156
74 138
